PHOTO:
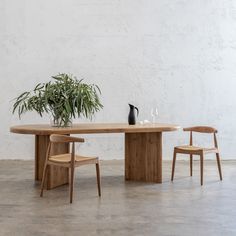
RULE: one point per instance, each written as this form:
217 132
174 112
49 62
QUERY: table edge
22 129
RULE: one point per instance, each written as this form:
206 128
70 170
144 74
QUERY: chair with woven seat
195 150
68 160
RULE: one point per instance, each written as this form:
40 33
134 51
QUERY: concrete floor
125 208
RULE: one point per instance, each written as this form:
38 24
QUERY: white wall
178 55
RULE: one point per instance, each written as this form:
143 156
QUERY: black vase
132 116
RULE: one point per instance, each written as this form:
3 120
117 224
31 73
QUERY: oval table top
88 128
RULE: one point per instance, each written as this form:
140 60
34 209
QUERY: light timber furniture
68 160
143 148
195 150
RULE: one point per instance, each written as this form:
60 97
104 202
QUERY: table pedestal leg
143 157
56 175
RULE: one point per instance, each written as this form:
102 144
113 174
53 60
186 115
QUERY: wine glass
153 115
156 112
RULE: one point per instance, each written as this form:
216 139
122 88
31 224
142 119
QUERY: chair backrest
59 138
202 129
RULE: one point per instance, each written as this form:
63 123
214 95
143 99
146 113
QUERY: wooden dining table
143 148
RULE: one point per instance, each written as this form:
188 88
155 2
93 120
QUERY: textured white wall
178 55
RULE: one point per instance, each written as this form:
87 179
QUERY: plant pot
58 122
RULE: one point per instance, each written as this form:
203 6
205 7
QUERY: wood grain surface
88 128
143 157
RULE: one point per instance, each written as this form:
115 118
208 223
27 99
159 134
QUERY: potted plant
64 98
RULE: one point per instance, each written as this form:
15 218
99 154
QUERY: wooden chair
68 160
195 150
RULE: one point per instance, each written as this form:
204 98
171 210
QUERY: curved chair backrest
201 129
59 138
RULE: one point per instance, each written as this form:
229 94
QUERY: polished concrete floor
125 208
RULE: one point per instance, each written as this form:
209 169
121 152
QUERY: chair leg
72 173
191 165
219 166
98 179
201 167
173 165
44 178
